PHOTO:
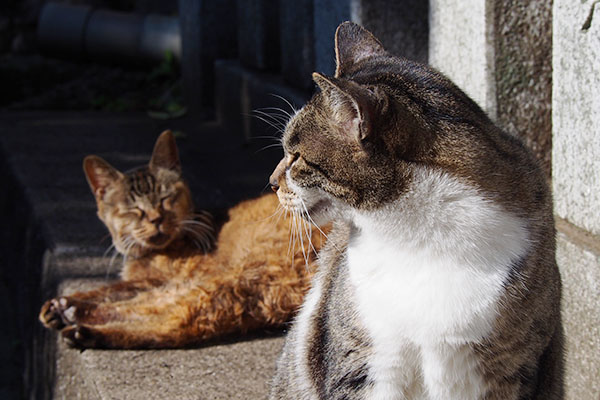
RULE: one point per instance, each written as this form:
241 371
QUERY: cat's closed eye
137 212
292 158
166 202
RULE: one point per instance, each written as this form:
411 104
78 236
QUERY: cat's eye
292 158
165 202
138 212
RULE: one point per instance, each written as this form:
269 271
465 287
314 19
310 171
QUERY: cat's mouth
159 239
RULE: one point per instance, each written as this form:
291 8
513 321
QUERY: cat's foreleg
180 314
62 311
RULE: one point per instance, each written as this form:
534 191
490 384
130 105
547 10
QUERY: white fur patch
428 271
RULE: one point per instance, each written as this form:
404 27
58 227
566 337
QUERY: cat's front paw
57 313
79 336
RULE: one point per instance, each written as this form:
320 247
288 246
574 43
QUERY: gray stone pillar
576 183
258 33
208 32
297 42
523 73
461 46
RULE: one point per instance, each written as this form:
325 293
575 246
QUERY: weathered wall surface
523 73
576 183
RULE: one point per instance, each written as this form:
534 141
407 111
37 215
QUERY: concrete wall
460 46
576 183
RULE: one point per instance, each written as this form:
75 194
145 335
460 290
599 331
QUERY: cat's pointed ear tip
317 76
90 160
167 133
347 26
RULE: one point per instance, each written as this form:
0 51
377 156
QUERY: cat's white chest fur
428 272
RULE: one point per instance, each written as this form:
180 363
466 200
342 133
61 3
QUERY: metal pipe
79 31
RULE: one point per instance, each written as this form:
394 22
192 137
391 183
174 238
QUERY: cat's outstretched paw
79 336
57 313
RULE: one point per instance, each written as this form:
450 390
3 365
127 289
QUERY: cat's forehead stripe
142 183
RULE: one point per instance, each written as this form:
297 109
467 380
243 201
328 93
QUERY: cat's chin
159 241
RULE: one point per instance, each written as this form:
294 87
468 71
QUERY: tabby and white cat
173 292
439 279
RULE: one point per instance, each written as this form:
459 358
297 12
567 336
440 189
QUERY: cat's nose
278 173
274 184
155 217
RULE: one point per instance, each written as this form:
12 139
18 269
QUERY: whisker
273 124
294 110
282 116
205 240
270 146
311 220
300 233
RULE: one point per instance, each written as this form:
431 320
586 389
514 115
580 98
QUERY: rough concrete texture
460 46
43 152
576 112
236 368
579 261
523 73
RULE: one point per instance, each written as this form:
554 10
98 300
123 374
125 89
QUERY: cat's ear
165 154
352 106
99 175
352 44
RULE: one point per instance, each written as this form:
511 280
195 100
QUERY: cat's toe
57 313
50 315
79 336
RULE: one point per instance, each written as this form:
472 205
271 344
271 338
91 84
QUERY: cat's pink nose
274 185
279 172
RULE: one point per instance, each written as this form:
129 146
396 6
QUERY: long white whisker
276 124
287 101
201 236
270 146
280 117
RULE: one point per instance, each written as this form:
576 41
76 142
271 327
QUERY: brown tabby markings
173 293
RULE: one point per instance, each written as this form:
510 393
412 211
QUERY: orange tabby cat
174 291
